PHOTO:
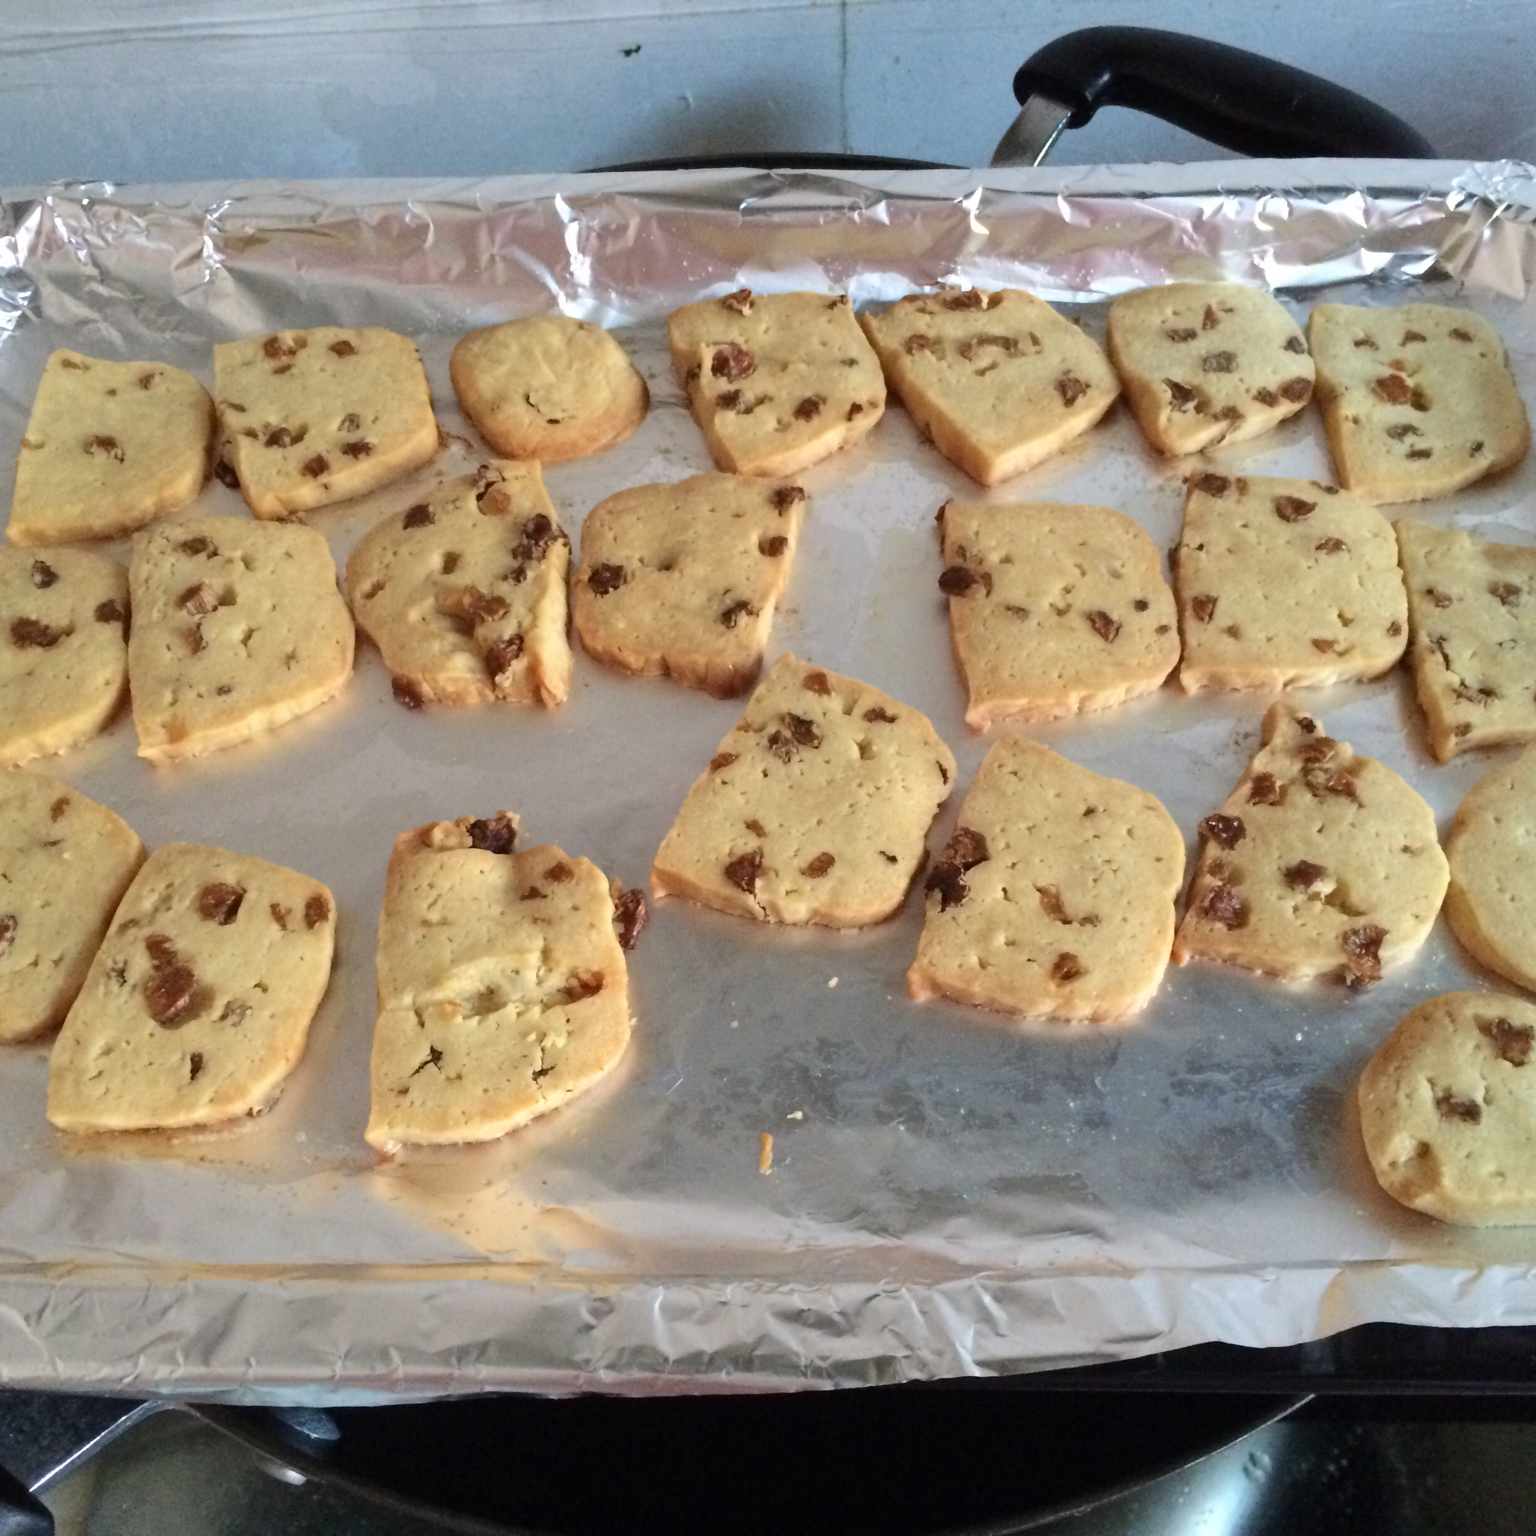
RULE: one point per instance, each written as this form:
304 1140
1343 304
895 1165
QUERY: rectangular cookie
63 653
1053 609
65 862
464 593
1207 363
1418 399
238 627
682 580
108 447
1285 583
998 381
1319 863
1055 895
815 807
1472 616
318 416
197 1005
776 381
503 989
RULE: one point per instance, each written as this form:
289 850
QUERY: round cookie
548 388
1448 1110
1491 902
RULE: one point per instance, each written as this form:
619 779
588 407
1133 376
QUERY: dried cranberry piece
1451 1107
493 834
1511 1041
1070 388
169 992
220 902
1304 874
1362 954
630 915
316 910
1223 904
1225 831
1291 509
1066 967
605 579
949 881
732 362
743 870
33 634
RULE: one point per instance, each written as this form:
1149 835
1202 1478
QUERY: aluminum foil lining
950 1194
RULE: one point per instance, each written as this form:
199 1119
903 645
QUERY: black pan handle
1240 100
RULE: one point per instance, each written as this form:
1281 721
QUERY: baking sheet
951 1193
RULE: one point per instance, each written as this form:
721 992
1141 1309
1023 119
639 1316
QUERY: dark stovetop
1409 1431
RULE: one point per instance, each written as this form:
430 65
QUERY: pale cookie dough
1418 400
1207 363
1448 1110
108 448
315 417
464 593
1053 609
64 864
503 988
999 381
682 580
1055 896
814 808
1472 617
776 381
548 388
63 654
197 1005
237 628
1491 903
1285 583
1320 863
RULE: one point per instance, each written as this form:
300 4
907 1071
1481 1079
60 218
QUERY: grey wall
177 89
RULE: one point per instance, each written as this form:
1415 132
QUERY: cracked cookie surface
503 989
813 809
1448 1110
1319 863
1055 896
108 447
464 593
1472 617
197 1006
1285 583
1053 609
999 381
237 628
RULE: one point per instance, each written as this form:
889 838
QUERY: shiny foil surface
951 1193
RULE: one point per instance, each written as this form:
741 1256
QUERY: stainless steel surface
950 1193
1032 133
